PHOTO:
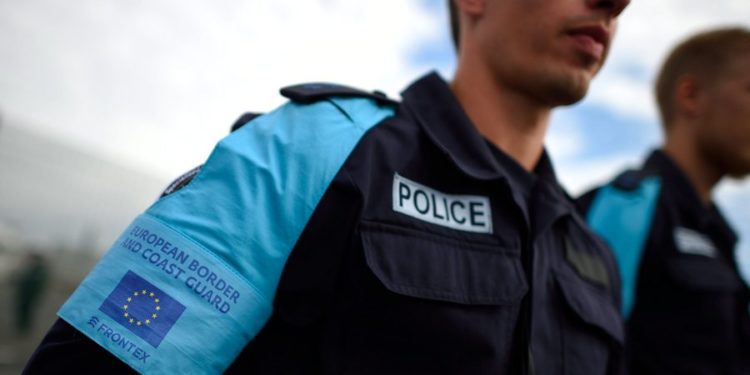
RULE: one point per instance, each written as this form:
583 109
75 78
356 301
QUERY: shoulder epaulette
244 119
629 180
312 92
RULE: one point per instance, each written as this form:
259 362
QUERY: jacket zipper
527 367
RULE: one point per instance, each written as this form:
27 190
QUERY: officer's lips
592 40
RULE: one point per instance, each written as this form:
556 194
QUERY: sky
155 84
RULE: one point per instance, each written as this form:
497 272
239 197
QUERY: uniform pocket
593 330
435 304
703 274
421 265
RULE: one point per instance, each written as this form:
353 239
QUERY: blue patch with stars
142 308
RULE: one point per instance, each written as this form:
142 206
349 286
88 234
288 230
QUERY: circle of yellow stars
149 320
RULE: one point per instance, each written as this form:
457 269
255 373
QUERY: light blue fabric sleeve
192 280
623 218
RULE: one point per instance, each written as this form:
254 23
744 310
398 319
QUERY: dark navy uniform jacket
429 252
686 304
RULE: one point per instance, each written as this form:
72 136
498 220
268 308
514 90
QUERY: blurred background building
60 208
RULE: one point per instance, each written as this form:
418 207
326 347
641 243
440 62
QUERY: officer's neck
508 119
701 173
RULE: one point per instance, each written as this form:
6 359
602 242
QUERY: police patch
471 213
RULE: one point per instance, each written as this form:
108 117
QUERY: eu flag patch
142 308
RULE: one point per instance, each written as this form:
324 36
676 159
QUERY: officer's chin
569 94
736 165
739 173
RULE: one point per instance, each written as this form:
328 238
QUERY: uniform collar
681 189
549 197
432 104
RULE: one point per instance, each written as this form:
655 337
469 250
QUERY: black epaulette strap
629 180
312 92
244 119
181 181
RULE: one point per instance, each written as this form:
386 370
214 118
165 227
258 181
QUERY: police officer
346 233
685 302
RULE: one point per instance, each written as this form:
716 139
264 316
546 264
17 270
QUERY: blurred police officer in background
685 302
31 281
347 233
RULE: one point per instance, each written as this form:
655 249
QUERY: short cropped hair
453 12
704 56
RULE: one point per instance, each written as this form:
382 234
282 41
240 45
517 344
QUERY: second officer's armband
622 213
192 280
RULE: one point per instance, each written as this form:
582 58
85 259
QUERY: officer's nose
612 7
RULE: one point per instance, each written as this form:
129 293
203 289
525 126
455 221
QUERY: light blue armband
623 218
192 280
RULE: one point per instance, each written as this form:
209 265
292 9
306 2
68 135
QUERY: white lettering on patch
689 241
471 213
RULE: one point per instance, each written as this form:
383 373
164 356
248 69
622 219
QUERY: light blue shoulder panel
192 280
623 218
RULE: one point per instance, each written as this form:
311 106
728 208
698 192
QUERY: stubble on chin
573 85
564 88
728 163
571 92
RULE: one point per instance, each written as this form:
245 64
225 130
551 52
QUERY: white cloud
579 176
733 197
565 140
157 83
647 31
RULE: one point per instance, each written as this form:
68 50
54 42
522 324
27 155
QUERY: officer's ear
473 8
689 96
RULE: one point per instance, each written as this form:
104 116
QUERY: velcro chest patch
470 213
689 241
